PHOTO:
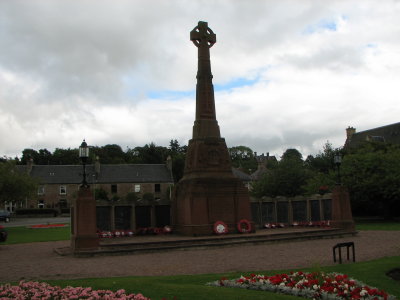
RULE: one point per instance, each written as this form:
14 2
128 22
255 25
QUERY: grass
193 286
377 225
19 235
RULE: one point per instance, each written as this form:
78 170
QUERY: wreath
220 227
244 226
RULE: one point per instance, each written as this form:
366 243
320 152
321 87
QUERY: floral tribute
44 291
220 228
130 233
316 285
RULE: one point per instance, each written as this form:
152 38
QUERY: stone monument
341 209
208 191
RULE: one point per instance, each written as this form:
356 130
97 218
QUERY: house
262 167
388 134
59 184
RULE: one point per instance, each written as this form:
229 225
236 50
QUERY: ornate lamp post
83 155
337 159
83 213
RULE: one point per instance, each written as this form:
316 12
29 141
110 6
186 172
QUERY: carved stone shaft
206 124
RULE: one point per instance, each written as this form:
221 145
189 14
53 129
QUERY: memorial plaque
268 212
282 211
163 215
327 209
122 216
315 211
299 209
103 218
143 216
256 212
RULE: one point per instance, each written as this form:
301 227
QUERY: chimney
169 163
29 165
350 131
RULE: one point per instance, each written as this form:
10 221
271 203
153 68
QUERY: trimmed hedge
36 211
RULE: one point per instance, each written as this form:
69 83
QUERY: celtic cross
202 35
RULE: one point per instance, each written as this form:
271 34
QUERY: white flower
315 287
282 284
363 293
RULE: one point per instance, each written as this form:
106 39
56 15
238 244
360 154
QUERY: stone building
59 184
388 134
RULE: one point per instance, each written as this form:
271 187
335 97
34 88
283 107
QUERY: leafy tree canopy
14 185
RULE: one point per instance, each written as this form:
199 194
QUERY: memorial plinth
83 225
208 191
341 209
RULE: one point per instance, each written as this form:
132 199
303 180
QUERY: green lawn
18 235
193 286
378 225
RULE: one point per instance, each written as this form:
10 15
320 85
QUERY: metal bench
339 246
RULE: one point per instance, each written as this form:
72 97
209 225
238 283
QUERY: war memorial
210 206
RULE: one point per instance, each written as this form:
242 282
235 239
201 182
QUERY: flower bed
48 225
43 291
317 285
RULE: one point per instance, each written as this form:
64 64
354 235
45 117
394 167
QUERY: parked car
3 234
5 215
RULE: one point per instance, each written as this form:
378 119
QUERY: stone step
168 243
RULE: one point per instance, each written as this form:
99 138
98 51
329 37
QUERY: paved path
38 260
15 222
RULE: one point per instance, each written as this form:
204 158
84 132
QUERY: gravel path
38 260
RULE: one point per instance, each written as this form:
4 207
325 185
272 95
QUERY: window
41 203
40 190
157 188
137 188
114 189
63 189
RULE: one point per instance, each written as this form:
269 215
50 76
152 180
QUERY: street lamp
337 159
83 155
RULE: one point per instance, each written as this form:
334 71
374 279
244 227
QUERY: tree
287 178
242 157
109 154
372 175
28 154
323 170
66 156
178 156
15 186
323 162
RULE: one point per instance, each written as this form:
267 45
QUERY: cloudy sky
287 74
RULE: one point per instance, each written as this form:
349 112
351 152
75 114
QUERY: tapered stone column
208 191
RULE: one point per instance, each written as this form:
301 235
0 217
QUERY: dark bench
339 246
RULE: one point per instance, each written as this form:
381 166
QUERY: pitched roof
388 133
122 173
241 175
